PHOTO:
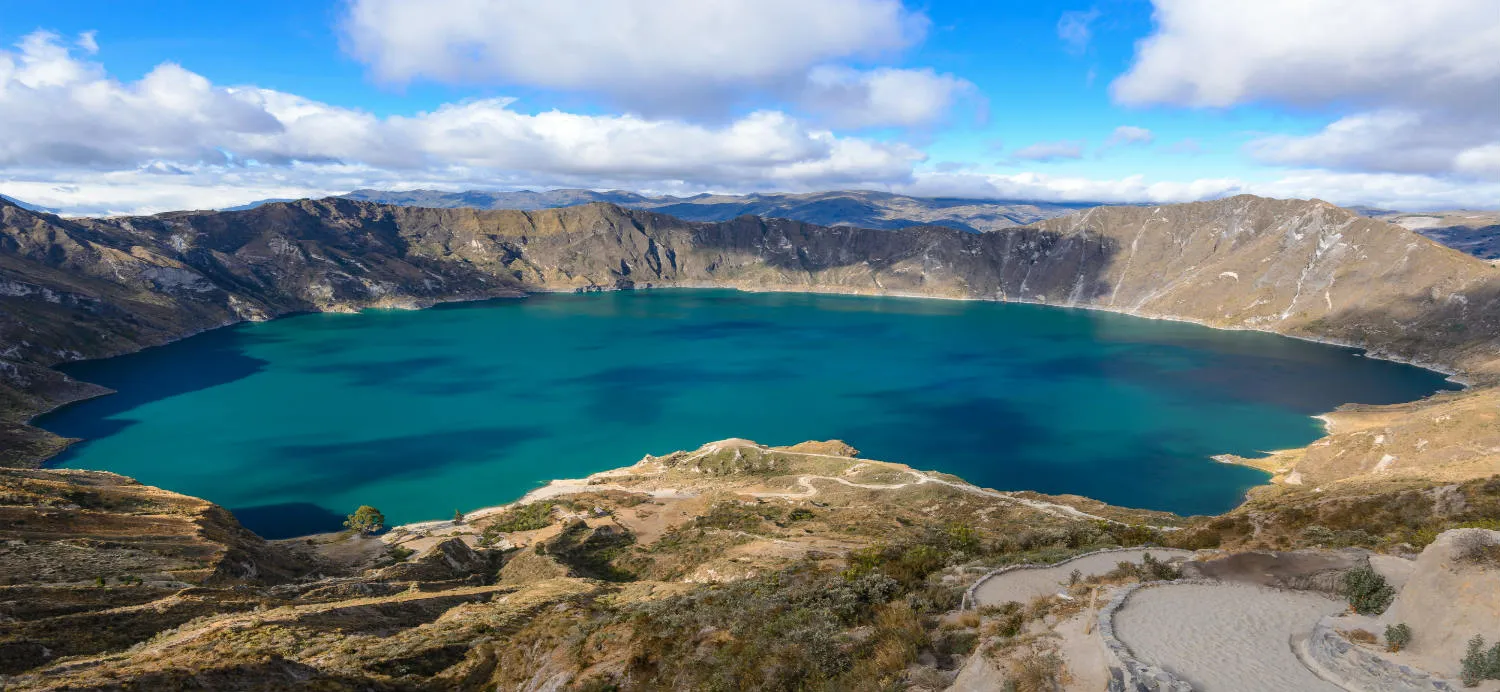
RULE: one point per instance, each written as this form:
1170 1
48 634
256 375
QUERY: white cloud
849 98
80 122
1482 161
1050 151
1388 140
1423 78
654 55
1076 31
1317 51
1385 190
1129 134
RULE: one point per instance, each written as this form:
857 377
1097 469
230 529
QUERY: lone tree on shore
365 520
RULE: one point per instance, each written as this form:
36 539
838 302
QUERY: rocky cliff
858 208
88 288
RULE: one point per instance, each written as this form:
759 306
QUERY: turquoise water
295 422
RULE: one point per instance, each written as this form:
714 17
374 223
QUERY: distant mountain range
1474 232
860 208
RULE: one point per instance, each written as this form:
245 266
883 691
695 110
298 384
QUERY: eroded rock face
1452 595
450 559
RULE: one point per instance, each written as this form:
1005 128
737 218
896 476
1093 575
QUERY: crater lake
293 423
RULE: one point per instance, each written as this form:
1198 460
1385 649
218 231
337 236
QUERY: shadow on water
971 427
340 466
638 394
204 361
426 375
288 519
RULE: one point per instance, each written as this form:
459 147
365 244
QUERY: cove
293 423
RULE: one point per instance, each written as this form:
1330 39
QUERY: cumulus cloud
1384 190
78 119
1129 134
1424 78
1314 52
656 56
1050 151
1076 30
848 98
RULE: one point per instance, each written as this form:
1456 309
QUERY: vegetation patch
1367 591
527 517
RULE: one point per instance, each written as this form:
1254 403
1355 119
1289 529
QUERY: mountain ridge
860 208
87 288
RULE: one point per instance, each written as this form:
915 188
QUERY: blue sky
124 106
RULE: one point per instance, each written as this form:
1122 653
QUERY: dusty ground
1022 585
1225 637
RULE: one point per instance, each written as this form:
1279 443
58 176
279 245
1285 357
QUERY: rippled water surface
293 423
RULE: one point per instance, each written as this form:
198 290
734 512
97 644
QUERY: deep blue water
293 423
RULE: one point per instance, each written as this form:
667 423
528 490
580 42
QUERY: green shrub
1480 664
1156 570
530 517
799 514
365 520
1367 591
1397 637
1010 618
400 553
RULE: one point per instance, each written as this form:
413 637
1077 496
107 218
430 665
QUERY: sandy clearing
1022 585
1083 652
1225 637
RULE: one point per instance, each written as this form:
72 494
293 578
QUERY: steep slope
92 288
98 287
85 551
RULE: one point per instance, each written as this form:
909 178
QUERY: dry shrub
1361 636
1477 547
969 619
898 636
1038 671
1039 607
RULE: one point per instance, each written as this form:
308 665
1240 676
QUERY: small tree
365 520
458 516
1367 591
1474 663
1397 636
1478 664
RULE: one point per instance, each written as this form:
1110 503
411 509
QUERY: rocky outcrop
1451 596
449 559
1339 660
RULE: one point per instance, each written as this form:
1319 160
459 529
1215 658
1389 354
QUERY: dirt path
1022 585
1225 637
919 478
